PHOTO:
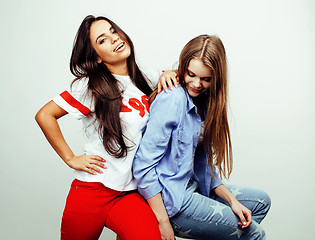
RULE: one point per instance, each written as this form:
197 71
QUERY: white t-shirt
134 115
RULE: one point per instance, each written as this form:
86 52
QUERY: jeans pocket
175 226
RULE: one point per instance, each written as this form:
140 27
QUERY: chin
193 94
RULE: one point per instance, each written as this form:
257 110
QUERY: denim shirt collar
190 104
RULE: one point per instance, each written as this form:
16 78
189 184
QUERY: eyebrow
190 71
103 34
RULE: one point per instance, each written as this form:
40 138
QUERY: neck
118 68
198 104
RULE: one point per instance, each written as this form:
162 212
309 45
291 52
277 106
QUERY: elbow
137 173
39 117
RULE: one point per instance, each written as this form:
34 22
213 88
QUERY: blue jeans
206 218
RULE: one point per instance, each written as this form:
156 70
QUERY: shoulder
173 101
178 92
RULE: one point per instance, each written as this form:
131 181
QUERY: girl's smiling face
108 44
197 78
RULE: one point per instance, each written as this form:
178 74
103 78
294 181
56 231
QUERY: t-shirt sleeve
77 101
152 76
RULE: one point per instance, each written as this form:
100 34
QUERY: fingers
98 163
168 79
164 85
89 170
170 83
246 219
98 158
94 168
92 164
243 220
159 87
174 80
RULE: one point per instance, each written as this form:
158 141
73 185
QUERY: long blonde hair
217 141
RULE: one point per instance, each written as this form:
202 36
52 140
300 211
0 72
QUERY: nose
197 83
115 38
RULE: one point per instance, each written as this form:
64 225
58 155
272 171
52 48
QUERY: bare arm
157 206
241 211
47 118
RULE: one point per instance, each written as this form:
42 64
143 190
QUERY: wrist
232 200
162 219
67 159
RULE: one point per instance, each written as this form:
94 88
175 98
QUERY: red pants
91 206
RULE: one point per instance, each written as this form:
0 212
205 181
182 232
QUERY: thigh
85 211
254 199
206 218
132 219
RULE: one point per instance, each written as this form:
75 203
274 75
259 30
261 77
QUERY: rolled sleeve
163 118
150 191
215 181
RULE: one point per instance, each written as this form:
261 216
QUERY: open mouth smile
120 47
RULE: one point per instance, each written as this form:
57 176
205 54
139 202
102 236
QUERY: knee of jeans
259 232
266 200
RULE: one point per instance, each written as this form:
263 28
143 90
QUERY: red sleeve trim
75 103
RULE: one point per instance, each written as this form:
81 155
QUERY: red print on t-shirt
136 104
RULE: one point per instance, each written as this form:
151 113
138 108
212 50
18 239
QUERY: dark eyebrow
103 34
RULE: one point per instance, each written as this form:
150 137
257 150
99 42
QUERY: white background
271 53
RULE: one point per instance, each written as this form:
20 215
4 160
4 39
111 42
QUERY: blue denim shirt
164 161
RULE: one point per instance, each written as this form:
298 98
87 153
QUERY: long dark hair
103 85
217 141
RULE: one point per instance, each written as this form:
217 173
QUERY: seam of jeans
216 222
202 220
253 200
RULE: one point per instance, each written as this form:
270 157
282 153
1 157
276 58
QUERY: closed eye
207 79
191 74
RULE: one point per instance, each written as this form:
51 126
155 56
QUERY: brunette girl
109 95
187 140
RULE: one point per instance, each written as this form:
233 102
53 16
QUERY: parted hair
217 142
103 85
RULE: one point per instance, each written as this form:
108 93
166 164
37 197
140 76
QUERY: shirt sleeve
152 76
163 118
77 101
